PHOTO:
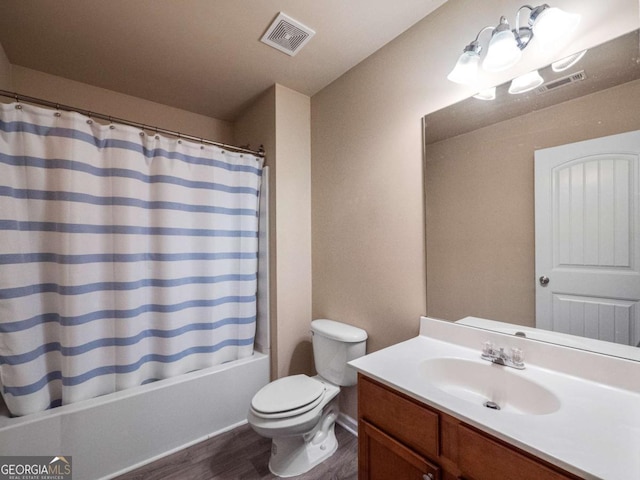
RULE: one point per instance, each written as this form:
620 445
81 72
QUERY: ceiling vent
562 82
287 35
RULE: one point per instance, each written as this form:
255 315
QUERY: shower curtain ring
57 114
111 125
89 120
18 106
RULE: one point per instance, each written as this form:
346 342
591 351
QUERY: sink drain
491 405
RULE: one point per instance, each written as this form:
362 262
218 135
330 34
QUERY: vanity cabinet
401 438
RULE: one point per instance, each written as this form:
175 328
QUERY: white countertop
594 434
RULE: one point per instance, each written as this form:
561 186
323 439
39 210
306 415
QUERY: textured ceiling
199 55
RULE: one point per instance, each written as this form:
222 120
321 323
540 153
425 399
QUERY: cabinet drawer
402 418
481 458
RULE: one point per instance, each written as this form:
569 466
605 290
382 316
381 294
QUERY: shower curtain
125 256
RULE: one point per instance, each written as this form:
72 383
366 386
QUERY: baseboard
348 423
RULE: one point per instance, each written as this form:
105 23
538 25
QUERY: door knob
544 280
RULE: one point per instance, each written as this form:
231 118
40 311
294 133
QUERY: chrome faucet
514 358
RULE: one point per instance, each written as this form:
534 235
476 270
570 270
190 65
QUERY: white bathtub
110 435
115 433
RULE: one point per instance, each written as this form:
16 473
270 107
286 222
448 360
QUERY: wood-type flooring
241 454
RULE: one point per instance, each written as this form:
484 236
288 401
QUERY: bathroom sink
489 385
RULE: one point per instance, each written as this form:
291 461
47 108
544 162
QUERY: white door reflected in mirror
588 238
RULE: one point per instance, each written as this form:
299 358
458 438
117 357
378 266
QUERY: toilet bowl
298 412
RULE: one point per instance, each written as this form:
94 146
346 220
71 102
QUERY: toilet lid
288 394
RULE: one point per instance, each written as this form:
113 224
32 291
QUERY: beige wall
5 71
280 119
293 227
367 180
61 90
480 198
255 127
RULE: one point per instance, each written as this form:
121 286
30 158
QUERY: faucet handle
517 355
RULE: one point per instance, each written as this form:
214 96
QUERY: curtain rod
58 106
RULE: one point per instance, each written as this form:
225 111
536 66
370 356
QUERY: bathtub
110 435
113 434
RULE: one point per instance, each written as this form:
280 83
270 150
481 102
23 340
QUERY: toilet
298 412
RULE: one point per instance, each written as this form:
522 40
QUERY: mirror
479 185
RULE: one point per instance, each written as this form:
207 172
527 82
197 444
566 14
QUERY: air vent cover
287 35
561 82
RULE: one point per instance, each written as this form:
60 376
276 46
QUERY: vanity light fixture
567 62
549 24
552 25
466 69
503 51
525 83
486 94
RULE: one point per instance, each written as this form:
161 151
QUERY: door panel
588 238
603 318
593 222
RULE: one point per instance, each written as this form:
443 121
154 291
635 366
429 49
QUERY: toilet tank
335 344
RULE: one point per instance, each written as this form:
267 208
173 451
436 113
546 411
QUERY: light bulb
487 94
503 51
525 83
551 25
466 70
567 62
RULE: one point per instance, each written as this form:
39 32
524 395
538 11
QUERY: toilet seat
288 396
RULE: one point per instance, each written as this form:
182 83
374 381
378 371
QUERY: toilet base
295 455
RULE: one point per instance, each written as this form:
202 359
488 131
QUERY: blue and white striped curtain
125 257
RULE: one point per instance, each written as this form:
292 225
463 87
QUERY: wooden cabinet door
381 457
